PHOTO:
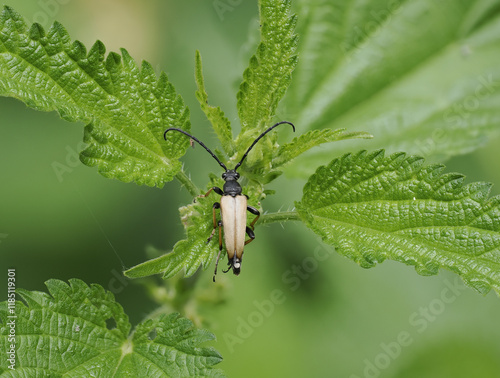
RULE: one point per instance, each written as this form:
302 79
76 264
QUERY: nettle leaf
374 207
215 115
80 331
266 79
312 139
421 76
187 254
127 108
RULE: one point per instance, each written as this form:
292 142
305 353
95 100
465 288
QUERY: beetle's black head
231 185
230 175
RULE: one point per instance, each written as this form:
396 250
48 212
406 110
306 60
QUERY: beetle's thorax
231 185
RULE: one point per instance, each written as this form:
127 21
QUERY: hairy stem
187 183
279 217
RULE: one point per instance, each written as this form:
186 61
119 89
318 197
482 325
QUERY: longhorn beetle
233 207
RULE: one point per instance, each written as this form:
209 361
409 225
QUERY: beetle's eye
237 175
224 175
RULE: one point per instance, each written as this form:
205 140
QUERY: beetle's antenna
199 142
260 137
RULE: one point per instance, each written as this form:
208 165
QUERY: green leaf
80 331
373 207
266 79
187 254
421 76
215 115
312 139
126 108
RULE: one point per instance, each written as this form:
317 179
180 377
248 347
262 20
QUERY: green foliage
350 75
420 76
126 108
80 331
373 207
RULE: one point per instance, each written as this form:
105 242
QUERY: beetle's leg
250 234
256 212
220 248
215 206
215 189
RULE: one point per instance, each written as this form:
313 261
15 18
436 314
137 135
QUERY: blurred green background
338 321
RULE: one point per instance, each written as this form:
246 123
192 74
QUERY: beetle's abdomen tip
237 268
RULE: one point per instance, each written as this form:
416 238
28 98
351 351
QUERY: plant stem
279 217
187 183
